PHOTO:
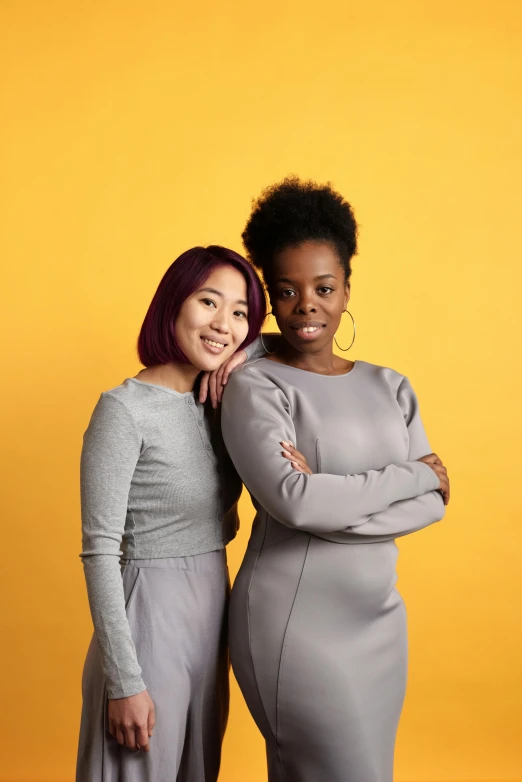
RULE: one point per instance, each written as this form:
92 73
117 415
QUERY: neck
178 377
324 361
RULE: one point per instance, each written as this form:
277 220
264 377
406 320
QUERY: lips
308 326
214 342
213 345
308 329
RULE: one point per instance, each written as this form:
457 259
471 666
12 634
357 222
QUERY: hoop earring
268 352
353 338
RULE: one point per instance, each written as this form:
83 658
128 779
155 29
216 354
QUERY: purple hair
157 343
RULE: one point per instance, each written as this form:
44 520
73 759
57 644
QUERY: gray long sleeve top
156 482
361 434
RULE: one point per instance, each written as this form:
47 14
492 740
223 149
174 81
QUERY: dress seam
258 554
283 650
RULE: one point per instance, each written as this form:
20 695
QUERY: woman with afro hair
318 630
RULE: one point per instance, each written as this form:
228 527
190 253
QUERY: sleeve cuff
132 687
428 478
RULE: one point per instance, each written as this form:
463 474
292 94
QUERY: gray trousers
176 609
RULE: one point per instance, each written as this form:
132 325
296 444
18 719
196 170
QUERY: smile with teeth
212 343
310 329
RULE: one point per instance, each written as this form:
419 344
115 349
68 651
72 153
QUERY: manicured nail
285 453
283 442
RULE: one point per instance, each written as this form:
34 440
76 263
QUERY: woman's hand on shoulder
433 461
215 382
131 720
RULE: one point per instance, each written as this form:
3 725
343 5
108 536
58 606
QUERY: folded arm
256 417
405 516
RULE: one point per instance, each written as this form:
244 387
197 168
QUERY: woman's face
308 295
213 322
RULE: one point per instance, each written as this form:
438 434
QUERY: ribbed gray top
155 482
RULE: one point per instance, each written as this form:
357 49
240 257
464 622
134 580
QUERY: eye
325 289
240 314
286 293
209 302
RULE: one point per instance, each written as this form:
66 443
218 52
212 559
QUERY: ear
346 294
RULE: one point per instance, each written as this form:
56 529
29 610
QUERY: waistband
212 560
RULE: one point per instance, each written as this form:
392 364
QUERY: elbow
441 507
290 511
437 509
298 522
293 507
288 514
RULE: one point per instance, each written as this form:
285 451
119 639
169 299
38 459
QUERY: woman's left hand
296 458
216 381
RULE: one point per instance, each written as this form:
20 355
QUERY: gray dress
317 629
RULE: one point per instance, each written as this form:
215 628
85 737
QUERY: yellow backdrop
133 130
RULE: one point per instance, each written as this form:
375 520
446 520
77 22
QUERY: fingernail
283 442
285 453
294 464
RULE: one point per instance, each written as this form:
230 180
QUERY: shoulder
115 411
257 384
381 375
131 392
142 400
253 372
398 386
123 398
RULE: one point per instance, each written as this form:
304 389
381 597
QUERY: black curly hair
295 211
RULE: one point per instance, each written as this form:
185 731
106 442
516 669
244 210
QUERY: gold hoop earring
268 352
353 338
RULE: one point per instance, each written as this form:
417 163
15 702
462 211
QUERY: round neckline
309 371
162 388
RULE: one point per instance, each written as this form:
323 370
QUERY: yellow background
132 131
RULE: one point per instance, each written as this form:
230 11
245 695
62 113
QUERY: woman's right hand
433 461
131 720
214 382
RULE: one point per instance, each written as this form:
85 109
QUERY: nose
305 305
220 323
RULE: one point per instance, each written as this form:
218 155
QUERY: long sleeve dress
317 629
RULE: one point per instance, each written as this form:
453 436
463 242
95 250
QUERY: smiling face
213 321
308 295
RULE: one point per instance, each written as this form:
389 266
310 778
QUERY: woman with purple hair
159 498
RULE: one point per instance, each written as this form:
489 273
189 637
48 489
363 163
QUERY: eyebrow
319 277
218 293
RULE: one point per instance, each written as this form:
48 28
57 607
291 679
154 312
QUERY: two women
318 634
159 498
318 631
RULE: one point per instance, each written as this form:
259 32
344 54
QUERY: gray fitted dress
317 629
